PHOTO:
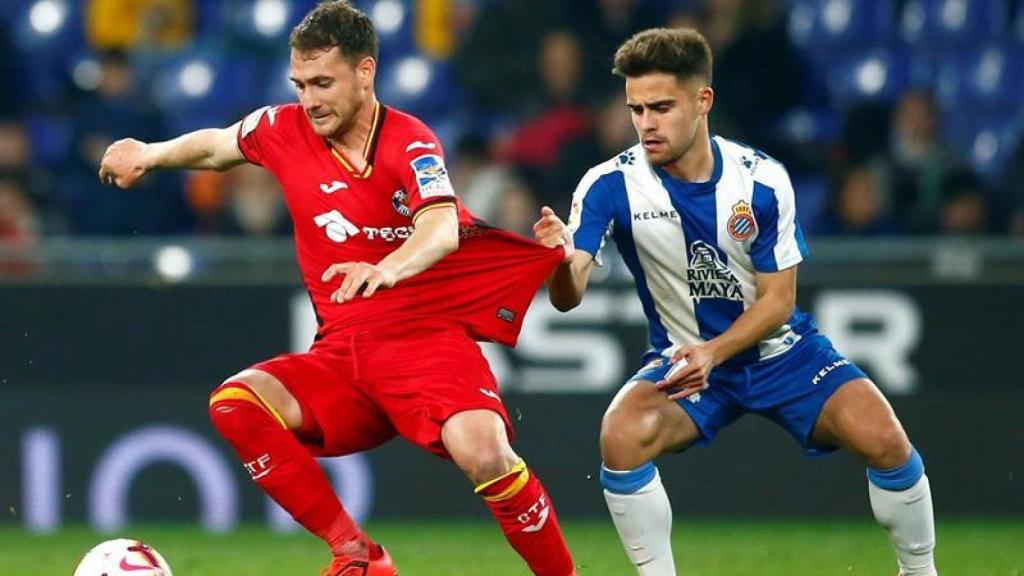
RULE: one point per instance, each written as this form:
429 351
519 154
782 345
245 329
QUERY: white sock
907 515
644 522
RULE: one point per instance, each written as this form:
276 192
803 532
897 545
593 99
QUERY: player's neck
697 164
352 140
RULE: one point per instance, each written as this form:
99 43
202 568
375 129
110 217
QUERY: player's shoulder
615 169
274 117
761 167
400 126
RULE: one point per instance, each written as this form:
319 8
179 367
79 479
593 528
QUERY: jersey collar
716 173
369 147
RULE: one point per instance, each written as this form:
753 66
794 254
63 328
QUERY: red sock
280 465
524 511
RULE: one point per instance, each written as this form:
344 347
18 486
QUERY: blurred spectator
491 190
517 208
759 77
613 133
497 61
965 204
19 224
155 24
17 167
918 162
560 119
436 27
477 179
1013 188
866 132
117 109
859 206
604 25
245 200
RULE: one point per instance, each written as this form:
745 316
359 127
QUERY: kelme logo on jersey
400 201
432 176
708 277
741 225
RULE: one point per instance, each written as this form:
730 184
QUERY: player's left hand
358 276
692 376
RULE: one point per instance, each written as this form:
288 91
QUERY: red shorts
360 387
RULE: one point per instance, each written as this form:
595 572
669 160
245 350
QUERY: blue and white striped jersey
694 248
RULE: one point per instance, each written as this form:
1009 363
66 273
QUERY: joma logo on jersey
708 277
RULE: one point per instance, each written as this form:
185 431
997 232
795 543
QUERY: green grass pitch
433 548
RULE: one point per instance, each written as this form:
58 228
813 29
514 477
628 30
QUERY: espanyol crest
741 225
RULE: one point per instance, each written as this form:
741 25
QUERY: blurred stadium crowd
894 117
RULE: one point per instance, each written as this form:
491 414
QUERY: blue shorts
790 389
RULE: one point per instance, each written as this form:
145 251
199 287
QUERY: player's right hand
123 163
552 232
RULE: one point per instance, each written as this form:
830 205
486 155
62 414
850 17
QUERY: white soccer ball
123 557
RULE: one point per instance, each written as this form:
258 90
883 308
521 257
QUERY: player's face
331 88
668 114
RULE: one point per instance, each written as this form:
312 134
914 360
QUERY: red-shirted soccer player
403 280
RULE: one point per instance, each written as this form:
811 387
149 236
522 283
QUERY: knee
629 435
889 447
265 391
236 410
224 410
479 446
487 464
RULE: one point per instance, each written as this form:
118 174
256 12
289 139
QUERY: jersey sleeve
591 214
422 171
780 242
253 134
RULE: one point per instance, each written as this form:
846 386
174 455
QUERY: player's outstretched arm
568 281
127 161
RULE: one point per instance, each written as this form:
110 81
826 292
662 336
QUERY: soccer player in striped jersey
708 229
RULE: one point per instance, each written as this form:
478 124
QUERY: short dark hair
336 23
682 52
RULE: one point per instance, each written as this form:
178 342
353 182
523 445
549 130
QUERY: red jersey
340 215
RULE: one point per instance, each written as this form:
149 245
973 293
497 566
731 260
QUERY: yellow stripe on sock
519 470
246 395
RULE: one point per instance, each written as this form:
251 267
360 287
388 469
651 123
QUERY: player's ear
366 70
705 99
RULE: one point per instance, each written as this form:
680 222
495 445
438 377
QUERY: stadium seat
986 139
804 126
952 22
419 85
51 139
870 75
987 78
393 20
816 24
199 88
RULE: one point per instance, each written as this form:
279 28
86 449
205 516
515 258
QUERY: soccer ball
123 557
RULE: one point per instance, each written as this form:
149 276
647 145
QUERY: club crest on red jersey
400 202
741 225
